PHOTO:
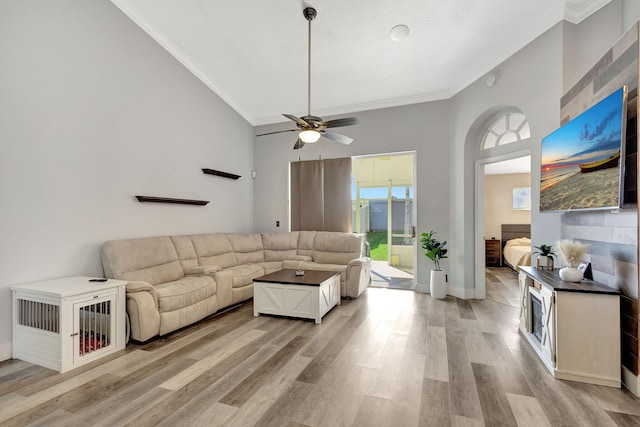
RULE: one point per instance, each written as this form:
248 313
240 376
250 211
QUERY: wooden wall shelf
219 173
170 200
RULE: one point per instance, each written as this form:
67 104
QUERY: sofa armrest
202 270
224 287
142 308
357 277
139 286
362 261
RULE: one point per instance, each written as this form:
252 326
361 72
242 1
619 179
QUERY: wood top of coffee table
288 277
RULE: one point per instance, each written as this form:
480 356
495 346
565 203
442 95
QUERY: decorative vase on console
571 253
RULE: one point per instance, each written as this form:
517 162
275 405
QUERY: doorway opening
383 200
500 186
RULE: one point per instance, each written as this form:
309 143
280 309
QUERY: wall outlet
277 223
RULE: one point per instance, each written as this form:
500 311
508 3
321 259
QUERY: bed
516 245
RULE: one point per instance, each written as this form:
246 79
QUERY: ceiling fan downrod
309 13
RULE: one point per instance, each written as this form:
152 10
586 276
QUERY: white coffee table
307 297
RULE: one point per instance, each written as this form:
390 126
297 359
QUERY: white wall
93 112
531 81
420 127
630 13
585 43
498 202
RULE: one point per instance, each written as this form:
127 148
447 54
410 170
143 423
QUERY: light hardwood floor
389 358
502 285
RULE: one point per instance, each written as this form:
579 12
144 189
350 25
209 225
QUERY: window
508 128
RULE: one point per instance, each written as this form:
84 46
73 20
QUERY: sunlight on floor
385 276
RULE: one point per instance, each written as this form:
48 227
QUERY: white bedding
517 252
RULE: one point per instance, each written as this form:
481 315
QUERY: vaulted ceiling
253 53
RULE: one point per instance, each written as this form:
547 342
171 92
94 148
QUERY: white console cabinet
574 328
64 323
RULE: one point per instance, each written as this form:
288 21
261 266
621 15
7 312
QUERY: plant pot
570 274
544 261
438 286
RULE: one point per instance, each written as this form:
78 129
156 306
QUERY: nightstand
492 252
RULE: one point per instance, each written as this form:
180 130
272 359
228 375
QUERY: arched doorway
499 134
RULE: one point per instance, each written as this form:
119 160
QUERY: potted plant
435 251
545 256
571 253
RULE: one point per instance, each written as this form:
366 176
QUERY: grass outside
378 247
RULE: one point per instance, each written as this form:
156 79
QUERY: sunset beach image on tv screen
581 163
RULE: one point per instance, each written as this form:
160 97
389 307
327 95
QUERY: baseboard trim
630 381
5 351
423 289
462 293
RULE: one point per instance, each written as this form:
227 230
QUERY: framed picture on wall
522 198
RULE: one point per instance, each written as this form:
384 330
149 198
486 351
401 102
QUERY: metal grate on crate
95 327
39 315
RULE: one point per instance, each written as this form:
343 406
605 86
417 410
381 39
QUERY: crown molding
363 106
576 11
134 14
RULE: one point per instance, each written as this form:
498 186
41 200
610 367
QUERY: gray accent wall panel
612 235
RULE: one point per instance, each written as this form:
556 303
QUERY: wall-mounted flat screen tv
582 162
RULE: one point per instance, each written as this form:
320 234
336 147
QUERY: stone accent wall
613 236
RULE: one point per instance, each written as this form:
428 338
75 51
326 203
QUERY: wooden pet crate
64 323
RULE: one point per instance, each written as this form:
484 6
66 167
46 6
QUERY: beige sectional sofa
177 280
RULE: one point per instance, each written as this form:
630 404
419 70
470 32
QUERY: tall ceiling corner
128 7
576 11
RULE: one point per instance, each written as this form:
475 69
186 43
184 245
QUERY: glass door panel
383 211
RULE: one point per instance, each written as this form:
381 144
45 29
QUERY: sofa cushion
271 266
247 248
336 248
305 242
186 252
184 292
243 275
214 249
280 246
176 319
153 260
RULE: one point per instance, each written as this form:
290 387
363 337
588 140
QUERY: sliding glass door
384 210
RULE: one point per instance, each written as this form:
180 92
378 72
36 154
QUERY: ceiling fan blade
278 131
347 121
342 139
299 144
298 120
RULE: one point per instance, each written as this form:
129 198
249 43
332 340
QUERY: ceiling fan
311 128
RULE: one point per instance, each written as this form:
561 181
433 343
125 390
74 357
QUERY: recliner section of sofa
160 296
175 281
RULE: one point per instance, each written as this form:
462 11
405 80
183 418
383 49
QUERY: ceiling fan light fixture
309 136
